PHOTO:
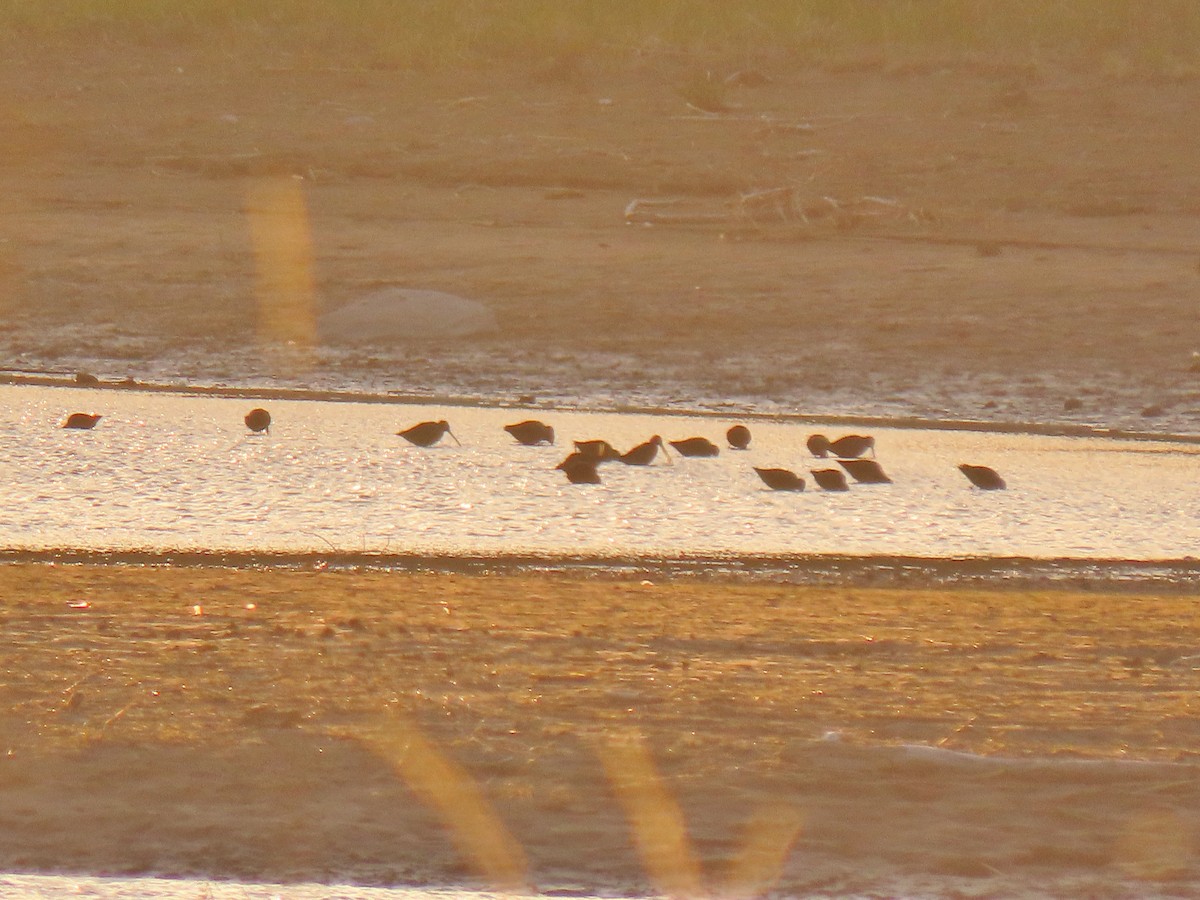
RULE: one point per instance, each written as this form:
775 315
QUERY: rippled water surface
166 471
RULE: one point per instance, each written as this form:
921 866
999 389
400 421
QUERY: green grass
1158 35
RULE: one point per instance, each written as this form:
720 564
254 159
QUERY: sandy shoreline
243 723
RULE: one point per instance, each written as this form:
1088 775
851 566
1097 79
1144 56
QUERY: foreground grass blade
654 816
445 787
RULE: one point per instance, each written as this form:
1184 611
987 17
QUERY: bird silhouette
830 479
258 420
848 447
865 471
983 477
599 450
780 479
580 468
81 420
426 434
531 432
738 437
697 446
643 454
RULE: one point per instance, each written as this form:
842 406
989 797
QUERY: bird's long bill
662 445
456 440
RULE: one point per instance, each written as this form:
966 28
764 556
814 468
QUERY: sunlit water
170 472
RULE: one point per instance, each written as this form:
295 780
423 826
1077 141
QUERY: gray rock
394 314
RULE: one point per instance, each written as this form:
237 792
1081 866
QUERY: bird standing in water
865 471
426 434
830 479
848 447
580 468
780 479
697 446
258 420
531 432
81 420
600 450
643 454
738 437
983 477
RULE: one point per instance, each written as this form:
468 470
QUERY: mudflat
392 728
1001 237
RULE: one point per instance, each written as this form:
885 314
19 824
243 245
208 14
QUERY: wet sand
300 725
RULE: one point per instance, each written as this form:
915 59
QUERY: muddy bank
280 725
944 252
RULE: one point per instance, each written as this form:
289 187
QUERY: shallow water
173 472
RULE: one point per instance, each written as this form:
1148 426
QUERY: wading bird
426 434
81 420
983 477
780 479
865 471
531 432
848 447
696 446
258 420
580 468
599 450
830 479
643 454
738 437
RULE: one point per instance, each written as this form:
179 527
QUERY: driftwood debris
773 207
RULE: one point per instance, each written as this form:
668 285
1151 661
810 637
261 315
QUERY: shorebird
865 471
81 420
983 477
599 450
830 479
531 432
258 420
738 437
580 468
848 447
697 446
426 434
780 479
643 454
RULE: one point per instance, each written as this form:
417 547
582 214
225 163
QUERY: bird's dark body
643 454
599 450
258 420
983 477
780 479
426 434
830 479
81 420
531 432
580 468
848 447
738 437
697 446
865 471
